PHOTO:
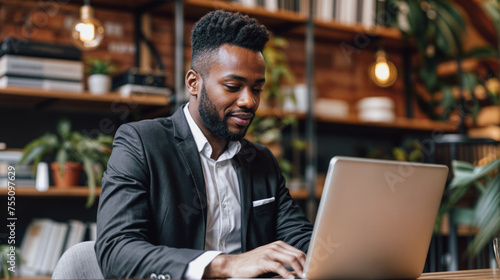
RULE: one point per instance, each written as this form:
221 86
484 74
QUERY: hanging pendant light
382 71
87 31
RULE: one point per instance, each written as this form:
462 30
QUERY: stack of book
40 65
134 81
23 173
46 240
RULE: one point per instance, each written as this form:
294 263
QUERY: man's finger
277 267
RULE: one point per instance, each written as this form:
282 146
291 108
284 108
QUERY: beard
214 123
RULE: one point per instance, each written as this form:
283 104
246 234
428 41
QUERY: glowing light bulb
88 32
383 72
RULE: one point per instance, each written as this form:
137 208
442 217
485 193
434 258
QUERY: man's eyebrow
243 79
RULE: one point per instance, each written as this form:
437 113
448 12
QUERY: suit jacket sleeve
292 225
124 246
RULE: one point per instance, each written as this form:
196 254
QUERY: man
186 196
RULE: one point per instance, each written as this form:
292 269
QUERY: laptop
375 219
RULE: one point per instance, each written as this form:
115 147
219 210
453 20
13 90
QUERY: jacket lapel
187 147
245 182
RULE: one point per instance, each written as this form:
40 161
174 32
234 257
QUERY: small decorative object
99 81
332 108
42 177
376 109
88 32
71 150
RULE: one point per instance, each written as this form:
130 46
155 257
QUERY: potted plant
485 214
73 152
99 80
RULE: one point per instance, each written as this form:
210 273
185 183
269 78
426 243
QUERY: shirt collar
202 143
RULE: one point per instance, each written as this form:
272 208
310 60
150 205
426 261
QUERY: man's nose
248 99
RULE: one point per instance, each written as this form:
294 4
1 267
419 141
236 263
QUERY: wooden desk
463 275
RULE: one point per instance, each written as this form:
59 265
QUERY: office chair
78 262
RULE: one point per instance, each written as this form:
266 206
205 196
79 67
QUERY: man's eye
257 90
232 88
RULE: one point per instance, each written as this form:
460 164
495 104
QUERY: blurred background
414 80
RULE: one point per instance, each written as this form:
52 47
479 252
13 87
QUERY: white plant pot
99 84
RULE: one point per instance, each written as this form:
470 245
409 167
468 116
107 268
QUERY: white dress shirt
223 225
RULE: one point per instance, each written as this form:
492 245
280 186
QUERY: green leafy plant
410 150
486 212
267 130
5 250
99 66
278 72
437 29
72 146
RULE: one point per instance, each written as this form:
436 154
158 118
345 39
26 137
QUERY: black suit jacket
152 209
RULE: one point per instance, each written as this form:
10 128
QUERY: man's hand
269 258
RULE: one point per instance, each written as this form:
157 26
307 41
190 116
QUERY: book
271 5
75 234
325 9
19 183
24 173
12 65
45 257
128 89
92 231
249 3
57 247
347 11
46 84
20 46
368 13
33 246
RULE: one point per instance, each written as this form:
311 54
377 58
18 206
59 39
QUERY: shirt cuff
196 267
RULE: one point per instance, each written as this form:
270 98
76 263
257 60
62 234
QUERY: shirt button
218 165
220 242
223 205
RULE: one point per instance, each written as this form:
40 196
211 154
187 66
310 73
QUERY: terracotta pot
71 175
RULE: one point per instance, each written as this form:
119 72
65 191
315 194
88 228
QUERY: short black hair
222 27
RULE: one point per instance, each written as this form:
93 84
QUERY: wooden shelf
423 125
138 99
398 124
32 278
78 101
77 191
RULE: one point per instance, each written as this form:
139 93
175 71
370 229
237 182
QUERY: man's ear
193 82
